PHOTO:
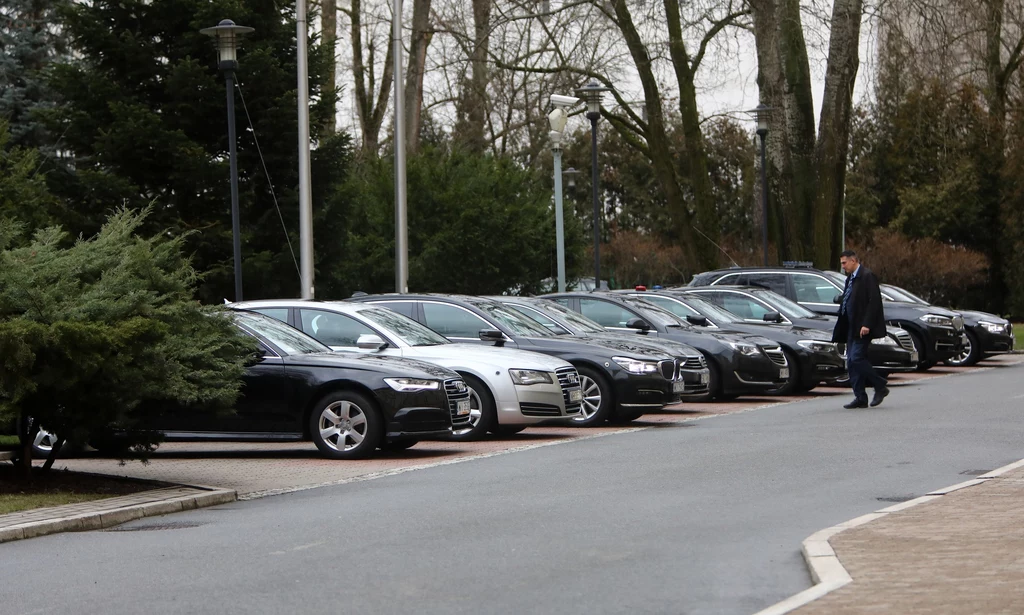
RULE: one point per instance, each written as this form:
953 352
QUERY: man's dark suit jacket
863 309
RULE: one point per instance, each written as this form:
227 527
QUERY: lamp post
557 120
592 93
401 209
305 188
760 114
227 34
570 178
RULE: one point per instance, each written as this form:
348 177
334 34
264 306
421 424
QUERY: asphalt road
705 517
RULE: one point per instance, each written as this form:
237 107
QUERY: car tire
792 384
598 398
923 364
345 425
970 356
507 430
483 412
398 445
714 384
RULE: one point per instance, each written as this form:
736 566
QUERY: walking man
860 321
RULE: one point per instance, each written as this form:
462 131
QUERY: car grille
958 323
695 388
697 362
904 339
568 379
775 354
667 369
456 390
532 409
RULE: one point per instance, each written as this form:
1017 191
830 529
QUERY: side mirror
492 335
773 317
638 323
837 299
369 341
700 321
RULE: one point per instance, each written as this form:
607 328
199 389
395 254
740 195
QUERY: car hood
778 332
458 355
974 317
611 345
388 366
917 307
653 344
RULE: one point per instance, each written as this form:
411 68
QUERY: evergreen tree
30 40
144 114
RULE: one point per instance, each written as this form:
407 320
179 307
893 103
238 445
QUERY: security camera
560 101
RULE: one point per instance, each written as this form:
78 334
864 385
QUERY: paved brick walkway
962 553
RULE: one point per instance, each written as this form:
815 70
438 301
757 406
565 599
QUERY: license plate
678 387
784 372
576 395
462 407
914 357
705 378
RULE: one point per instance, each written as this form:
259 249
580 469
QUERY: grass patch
8 441
59 487
1018 336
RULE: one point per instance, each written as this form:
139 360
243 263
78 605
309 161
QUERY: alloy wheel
475 412
591 398
44 442
961 358
342 426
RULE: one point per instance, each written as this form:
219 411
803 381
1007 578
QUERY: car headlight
743 347
885 341
529 376
816 346
411 385
935 319
636 366
993 327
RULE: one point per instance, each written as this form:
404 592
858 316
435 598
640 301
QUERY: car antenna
734 263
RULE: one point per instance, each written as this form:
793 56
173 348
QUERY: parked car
348 404
812 356
739 364
560 320
509 389
620 381
937 333
893 353
987 334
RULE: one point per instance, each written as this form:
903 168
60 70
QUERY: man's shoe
880 394
857 403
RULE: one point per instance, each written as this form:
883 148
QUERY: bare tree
371 96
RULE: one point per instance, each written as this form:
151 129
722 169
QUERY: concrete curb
826 569
101 519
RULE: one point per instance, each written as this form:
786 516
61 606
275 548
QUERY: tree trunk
473 99
329 24
830 155
370 105
421 35
996 78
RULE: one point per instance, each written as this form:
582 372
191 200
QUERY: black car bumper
643 391
992 343
419 423
752 374
891 358
942 343
818 367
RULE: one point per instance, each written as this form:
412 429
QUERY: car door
609 315
815 292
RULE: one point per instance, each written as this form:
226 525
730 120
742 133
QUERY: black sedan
813 358
739 363
987 334
893 353
348 404
560 320
620 381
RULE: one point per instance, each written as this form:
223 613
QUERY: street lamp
760 114
557 120
592 93
227 34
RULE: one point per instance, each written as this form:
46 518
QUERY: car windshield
577 321
401 326
899 294
789 309
289 339
712 311
836 277
516 323
656 314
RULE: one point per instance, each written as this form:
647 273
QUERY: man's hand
864 331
